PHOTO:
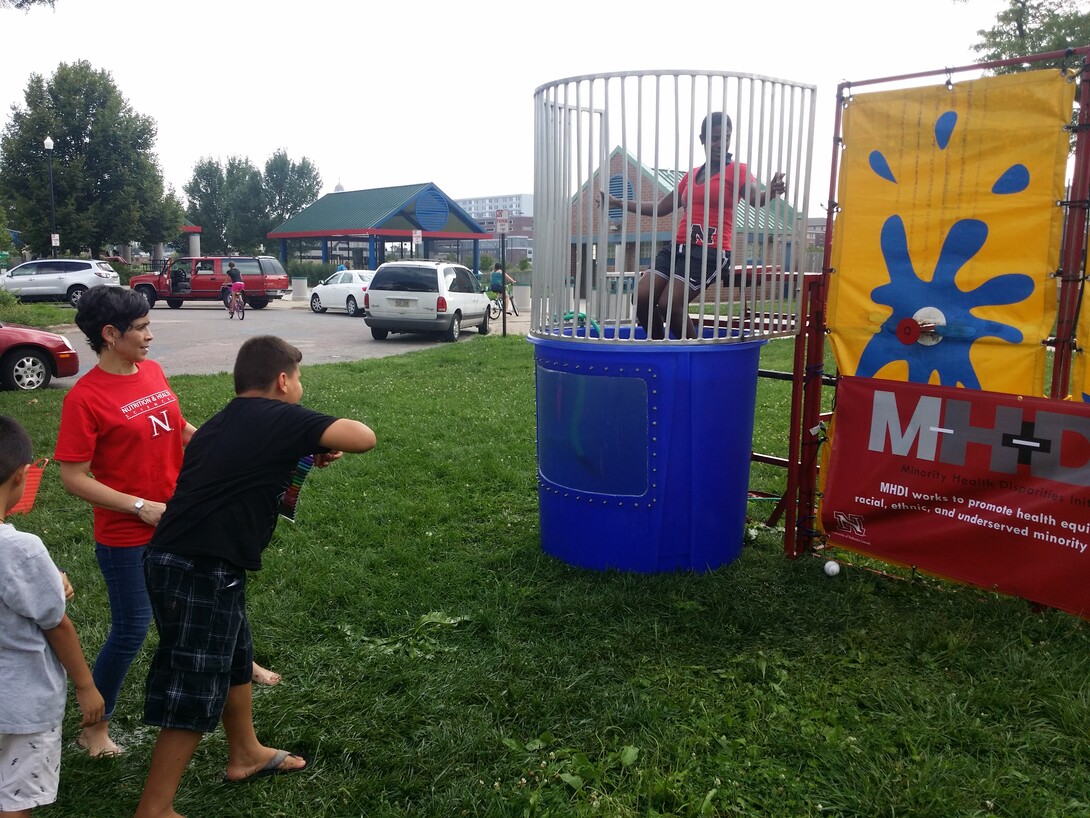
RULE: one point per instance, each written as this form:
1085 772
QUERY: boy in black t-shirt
220 519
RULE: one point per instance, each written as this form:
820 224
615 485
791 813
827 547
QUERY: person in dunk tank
685 267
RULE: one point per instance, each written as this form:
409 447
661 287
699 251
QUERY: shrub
313 271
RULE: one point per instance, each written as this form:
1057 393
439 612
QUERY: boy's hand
151 512
69 591
91 704
323 460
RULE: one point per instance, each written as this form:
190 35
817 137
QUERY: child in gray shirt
37 645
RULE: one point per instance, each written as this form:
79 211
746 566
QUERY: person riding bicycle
237 287
498 276
235 275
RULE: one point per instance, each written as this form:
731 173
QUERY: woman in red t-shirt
120 447
701 248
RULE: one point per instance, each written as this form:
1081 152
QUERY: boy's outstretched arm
344 435
66 645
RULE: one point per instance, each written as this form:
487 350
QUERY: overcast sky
379 94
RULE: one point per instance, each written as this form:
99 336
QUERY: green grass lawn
437 663
43 314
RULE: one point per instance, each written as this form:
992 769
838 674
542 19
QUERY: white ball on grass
832 568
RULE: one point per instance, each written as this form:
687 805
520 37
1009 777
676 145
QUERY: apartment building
483 208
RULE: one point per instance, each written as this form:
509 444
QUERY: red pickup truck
205 279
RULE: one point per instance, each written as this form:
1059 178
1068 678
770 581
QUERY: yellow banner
949 230
1080 367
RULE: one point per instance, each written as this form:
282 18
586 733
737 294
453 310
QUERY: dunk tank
959 444
643 443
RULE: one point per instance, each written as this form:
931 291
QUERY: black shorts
688 262
205 645
496 288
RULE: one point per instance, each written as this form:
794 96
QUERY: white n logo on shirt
160 421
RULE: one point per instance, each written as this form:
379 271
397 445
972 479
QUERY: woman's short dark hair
713 119
101 307
260 361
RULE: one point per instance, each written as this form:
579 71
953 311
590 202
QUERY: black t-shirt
236 469
233 274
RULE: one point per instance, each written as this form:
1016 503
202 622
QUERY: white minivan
425 296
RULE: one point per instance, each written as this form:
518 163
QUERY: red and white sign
986 488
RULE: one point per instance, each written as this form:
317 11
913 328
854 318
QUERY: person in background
499 283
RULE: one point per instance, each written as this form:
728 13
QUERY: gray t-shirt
31 602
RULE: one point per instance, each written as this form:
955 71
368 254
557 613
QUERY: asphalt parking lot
200 339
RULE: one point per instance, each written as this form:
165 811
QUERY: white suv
57 279
424 296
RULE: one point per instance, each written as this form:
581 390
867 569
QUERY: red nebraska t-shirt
129 427
709 222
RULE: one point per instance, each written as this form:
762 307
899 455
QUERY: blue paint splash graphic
907 294
880 166
944 128
1015 179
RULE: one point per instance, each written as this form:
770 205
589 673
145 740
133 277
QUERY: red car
30 358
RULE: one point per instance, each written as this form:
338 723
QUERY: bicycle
236 305
496 304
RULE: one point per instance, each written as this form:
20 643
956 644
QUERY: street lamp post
52 207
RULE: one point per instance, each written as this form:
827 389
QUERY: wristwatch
139 504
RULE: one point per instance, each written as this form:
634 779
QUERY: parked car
30 358
58 279
343 290
424 296
205 279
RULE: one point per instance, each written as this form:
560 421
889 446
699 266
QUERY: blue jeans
130 617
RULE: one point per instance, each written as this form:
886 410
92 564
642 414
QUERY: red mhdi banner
981 487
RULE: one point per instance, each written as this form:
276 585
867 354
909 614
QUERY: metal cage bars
638 132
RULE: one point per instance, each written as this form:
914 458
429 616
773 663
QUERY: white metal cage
634 135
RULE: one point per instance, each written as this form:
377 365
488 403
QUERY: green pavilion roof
383 211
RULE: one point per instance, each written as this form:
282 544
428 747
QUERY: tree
24 5
6 244
107 186
290 186
1029 27
247 211
206 191
236 205
164 218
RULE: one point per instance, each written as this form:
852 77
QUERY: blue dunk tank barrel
645 429
643 452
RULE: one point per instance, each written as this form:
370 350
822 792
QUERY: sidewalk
516 324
